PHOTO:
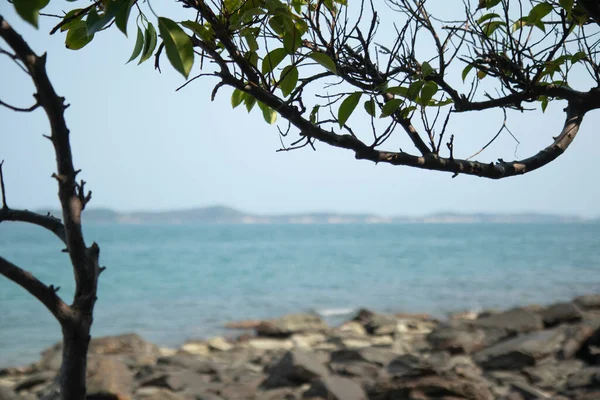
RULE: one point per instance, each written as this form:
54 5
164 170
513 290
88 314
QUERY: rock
456 341
190 362
412 365
238 391
270 344
108 377
294 368
561 313
529 392
552 375
335 388
381 324
35 380
521 351
369 355
8 394
289 324
157 394
247 324
350 343
590 350
198 348
577 337
463 316
431 387
382 341
588 302
358 369
219 344
129 348
307 341
513 321
353 327
585 378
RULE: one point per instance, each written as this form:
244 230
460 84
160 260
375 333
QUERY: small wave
333 312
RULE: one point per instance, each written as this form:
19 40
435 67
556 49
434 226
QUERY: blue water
170 283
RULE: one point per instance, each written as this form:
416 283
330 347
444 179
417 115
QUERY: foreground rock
524 353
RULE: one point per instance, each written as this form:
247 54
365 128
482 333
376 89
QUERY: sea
172 283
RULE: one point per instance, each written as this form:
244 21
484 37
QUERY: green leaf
150 39
370 107
292 41
272 59
69 25
487 17
390 107
426 69
29 10
288 80
139 44
347 107
490 27
414 90
406 112
203 31
77 36
94 22
268 113
398 91
491 3
538 12
428 91
481 74
122 14
177 45
237 97
314 114
251 40
324 60
249 101
466 71
544 100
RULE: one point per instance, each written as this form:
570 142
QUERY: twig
4 205
19 109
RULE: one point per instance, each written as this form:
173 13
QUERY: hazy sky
141 145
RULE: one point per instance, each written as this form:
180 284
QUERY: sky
143 146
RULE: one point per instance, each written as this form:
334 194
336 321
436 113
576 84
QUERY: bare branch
46 295
19 109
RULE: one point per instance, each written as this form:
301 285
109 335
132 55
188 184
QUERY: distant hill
228 215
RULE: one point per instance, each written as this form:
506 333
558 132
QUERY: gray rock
289 324
8 394
381 324
552 375
412 365
590 350
457 340
588 302
370 355
35 380
157 394
521 351
529 392
294 368
108 377
561 313
585 378
335 388
430 388
514 321
577 337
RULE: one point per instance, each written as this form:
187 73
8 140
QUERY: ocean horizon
170 283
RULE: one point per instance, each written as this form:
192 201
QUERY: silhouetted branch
46 295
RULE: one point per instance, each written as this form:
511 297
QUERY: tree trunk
76 340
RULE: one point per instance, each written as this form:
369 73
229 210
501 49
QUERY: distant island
228 215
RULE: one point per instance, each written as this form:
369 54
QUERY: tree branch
45 294
49 222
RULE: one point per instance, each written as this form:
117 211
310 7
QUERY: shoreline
532 351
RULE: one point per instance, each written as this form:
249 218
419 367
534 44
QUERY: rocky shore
531 352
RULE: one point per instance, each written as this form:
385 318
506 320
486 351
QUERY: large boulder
369 355
577 337
588 302
335 388
411 365
294 368
561 313
457 340
129 348
289 324
521 351
552 375
108 378
590 350
515 321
